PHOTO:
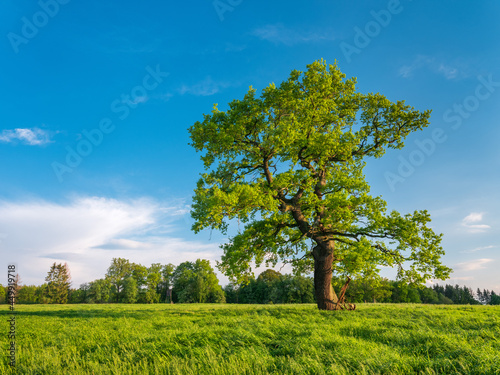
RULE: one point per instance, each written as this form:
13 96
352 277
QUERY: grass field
253 339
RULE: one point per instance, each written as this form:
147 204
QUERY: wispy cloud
479 249
447 70
88 232
471 223
464 278
123 244
139 99
280 34
473 265
206 87
32 137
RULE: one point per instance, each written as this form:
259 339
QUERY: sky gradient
97 98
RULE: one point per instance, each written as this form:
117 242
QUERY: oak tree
288 164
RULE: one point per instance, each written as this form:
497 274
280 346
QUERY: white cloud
279 34
138 100
449 71
470 222
474 217
473 265
479 249
32 137
206 87
88 232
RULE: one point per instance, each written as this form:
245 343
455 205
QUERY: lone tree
289 166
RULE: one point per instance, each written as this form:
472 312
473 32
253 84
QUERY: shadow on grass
147 311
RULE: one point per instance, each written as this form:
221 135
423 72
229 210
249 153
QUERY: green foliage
42 294
272 287
289 166
456 294
366 289
77 296
27 294
443 300
196 282
165 284
154 277
3 294
428 295
140 274
130 290
83 294
383 290
99 291
220 339
118 271
58 283
494 299
487 298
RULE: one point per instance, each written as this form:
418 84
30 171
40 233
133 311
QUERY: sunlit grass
254 339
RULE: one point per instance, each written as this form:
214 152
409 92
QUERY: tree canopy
289 166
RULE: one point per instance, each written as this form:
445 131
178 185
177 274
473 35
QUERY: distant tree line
384 290
127 282
272 287
196 282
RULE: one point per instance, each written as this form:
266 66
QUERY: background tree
428 295
27 294
118 271
272 287
42 295
153 280
139 273
3 294
494 298
165 285
58 283
459 295
130 290
196 282
249 292
298 289
289 164
486 296
81 294
367 289
231 291
99 291
267 287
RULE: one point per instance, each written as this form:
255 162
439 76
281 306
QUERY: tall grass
254 339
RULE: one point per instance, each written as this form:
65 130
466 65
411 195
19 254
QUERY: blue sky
97 98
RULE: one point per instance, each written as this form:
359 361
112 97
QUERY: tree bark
326 298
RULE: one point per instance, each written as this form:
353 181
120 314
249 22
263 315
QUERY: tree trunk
326 298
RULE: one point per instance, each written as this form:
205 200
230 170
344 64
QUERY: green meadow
253 339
